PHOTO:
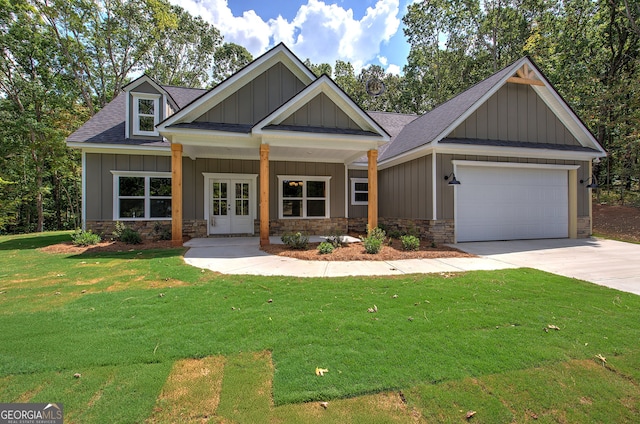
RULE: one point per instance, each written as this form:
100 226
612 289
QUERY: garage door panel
502 203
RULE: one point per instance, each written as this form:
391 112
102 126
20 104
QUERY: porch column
176 194
264 195
372 156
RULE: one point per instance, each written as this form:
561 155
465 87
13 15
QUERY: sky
363 32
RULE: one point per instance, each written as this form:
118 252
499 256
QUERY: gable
515 113
257 98
320 111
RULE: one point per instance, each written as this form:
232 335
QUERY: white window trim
305 179
135 97
355 181
147 195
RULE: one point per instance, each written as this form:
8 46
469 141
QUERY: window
359 191
141 195
303 197
146 113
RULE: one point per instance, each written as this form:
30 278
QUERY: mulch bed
356 252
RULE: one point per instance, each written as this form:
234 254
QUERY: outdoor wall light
453 179
593 184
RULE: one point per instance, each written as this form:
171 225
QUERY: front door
230 206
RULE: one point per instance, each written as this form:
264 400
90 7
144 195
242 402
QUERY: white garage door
503 203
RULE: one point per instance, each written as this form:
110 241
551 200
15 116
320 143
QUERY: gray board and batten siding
256 99
100 180
515 113
321 111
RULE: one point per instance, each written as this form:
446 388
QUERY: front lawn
142 329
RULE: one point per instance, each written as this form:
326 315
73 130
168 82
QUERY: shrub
297 240
117 233
130 236
161 232
372 245
374 240
85 238
410 242
325 248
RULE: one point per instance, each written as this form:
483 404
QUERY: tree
228 59
183 55
34 90
104 41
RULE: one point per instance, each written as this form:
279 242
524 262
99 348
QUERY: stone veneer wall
312 227
584 227
147 229
440 231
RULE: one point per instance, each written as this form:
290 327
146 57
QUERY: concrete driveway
605 262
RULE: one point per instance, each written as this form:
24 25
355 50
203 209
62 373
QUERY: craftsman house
274 149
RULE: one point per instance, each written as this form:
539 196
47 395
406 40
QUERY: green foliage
161 232
296 241
85 238
126 234
410 242
130 236
374 240
325 248
228 59
337 238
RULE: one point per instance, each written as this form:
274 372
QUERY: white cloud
321 32
394 69
383 60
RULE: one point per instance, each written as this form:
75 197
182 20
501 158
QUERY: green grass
471 340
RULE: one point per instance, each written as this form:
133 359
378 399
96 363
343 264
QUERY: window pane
146 123
131 208
145 106
160 186
315 208
362 197
292 208
242 207
220 207
131 186
315 189
292 188
160 208
361 186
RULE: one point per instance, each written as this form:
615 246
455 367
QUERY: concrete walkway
605 262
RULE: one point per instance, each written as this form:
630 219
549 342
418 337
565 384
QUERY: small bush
325 248
372 245
410 242
297 240
161 232
130 236
117 233
374 240
85 238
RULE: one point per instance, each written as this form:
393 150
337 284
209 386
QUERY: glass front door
230 207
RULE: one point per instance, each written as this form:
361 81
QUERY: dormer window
146 113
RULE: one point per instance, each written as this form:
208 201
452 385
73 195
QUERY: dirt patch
192 391
356 252
618 222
